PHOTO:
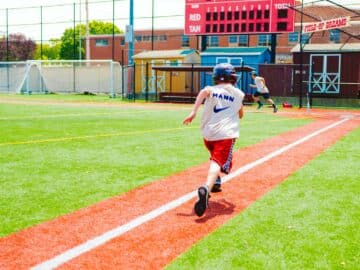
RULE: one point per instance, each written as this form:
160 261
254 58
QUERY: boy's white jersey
261 87
220 117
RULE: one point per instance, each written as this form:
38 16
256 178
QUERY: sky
57 15
25 16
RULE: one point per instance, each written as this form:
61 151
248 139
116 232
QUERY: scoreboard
212 17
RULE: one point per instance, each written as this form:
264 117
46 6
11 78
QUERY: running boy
219 126
261 90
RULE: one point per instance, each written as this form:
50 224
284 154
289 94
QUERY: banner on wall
326 25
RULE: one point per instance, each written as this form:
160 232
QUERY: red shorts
221 153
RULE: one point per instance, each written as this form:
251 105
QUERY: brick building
101 46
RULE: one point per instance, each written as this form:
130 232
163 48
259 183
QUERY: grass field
59 157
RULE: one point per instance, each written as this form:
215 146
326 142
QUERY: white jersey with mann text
220 117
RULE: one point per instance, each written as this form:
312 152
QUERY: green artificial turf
310 221
58 158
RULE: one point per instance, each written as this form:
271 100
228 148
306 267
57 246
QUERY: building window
335 36
243 40
185 41
155 37
293 37
213 41
138 38
305 38
162 37
233 39
264 40
122 41
240 40
146 38
101 42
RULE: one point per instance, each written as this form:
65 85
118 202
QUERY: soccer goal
65 76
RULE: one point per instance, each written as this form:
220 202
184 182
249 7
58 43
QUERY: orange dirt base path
155 243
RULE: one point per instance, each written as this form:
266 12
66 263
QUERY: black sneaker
275 109
260 106
217 186
201 205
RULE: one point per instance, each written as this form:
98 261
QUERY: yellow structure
175 82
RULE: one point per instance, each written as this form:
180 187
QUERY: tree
69 50
50 51
16 48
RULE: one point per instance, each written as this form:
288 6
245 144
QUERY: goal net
12 75
62 76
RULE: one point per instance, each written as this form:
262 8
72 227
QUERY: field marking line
63 139
118 231
281 150
93 136
51 116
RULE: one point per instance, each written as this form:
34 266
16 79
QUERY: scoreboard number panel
212 17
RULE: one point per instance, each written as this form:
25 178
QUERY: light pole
80 30
87 30
301 55
113 30
131 43
152 25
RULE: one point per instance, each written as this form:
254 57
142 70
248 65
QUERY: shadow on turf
216 208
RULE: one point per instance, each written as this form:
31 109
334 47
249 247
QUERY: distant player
261 90
219 126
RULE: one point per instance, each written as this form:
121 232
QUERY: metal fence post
147 81
134 80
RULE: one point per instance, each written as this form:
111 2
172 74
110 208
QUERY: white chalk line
118 231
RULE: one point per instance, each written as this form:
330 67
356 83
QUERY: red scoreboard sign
211 17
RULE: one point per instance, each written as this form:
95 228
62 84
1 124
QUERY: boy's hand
189 118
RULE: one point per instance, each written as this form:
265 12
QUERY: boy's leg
257 99
203 191
272 104
213 173
217 186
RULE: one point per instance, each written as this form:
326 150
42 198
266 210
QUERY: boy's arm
241 112
199 99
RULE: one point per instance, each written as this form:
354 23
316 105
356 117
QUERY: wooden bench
177 97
